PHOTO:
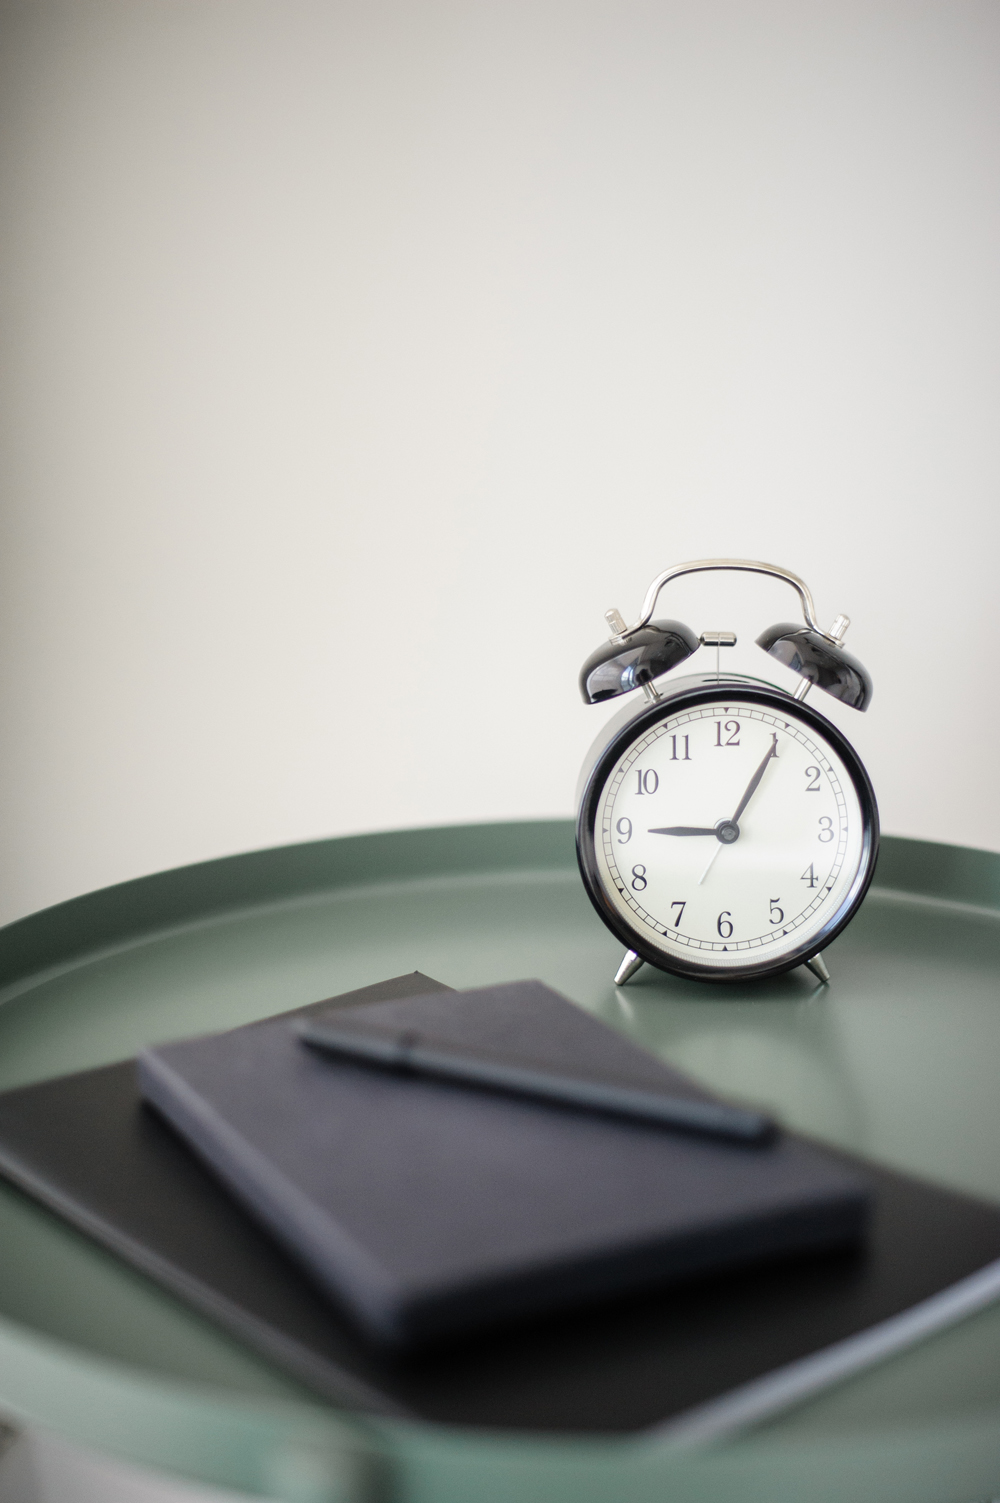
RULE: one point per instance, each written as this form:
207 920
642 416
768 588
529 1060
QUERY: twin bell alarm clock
726 830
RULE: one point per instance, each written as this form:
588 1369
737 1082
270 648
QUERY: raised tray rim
126 911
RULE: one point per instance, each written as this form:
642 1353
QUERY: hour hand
683 830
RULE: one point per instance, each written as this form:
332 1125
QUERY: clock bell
635 656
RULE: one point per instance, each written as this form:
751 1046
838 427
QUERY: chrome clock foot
818 966
628 968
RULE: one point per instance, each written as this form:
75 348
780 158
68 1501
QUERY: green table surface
898 1059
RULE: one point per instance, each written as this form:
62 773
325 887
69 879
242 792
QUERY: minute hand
751 788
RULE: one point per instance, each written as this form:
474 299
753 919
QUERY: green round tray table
898 1059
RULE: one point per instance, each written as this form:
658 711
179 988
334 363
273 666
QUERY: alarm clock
725 829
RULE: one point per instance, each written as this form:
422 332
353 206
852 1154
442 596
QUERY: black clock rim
664 708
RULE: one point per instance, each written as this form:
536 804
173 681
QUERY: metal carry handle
621 632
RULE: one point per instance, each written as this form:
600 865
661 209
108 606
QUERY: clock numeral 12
733 727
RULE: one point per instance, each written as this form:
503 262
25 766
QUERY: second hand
711 862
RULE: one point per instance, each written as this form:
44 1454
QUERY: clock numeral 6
624 828
777 914
723 924
639 878
825 829
649 781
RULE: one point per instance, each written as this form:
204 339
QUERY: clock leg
628 968
817 965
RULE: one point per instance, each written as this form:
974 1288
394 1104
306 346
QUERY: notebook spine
343 1269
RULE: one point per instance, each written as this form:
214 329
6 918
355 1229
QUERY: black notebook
698 1360
428 1208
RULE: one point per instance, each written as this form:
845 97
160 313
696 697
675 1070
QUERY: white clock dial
729 834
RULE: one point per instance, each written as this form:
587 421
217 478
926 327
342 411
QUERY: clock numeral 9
723 924
624 828
649 781
825 829
813 787
639 878
733 729
777 914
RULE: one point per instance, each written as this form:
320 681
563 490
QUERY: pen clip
406 1042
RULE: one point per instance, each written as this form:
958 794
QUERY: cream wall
357 356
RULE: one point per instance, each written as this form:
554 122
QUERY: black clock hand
752 785
683 830
727 830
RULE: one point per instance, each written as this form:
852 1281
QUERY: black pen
407 1053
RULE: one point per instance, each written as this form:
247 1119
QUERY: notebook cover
430 1209
697 1361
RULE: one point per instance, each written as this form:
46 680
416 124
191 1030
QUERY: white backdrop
357 356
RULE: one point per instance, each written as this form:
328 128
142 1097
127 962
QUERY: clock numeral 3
639 878
825 829
732 728
723 924
649 781
624 828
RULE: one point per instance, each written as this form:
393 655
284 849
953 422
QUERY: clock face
729 834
